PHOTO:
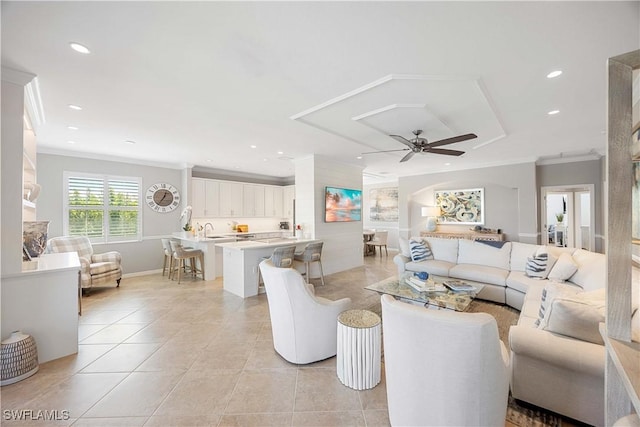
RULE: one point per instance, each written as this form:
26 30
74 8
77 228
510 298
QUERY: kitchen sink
216 237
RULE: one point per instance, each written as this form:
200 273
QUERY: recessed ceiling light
552 112
79 48
447 164
253 146
280 152
71 142
264 160
359 157
128 141
209 160
553 74
237 167
75 107
72 127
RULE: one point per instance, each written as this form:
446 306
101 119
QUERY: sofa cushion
539 266
563 269
519 281
556 251
519 254
431 266
420 250
592 270
480 273
443 249
575 315
471 252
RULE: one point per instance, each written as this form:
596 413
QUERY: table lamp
431 212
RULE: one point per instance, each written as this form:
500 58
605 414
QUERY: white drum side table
359 349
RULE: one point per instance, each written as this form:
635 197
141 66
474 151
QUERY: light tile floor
156 353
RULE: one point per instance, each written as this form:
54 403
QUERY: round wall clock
162 197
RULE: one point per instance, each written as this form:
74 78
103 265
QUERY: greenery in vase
560 217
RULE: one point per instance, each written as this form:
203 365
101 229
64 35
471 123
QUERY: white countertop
47 263
264 243
219 237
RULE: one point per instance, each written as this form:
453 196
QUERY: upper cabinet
217 198
231 199
253 200
273 197
206 198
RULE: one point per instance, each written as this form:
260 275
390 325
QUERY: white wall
342 248
509 191
13 83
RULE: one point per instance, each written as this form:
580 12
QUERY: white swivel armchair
304 326
443 368
95 269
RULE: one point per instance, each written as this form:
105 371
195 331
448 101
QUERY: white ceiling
198 83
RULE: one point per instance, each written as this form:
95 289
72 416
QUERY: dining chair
168 256
379 240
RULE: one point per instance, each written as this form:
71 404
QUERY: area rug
518 413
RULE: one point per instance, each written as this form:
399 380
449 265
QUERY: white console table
43 301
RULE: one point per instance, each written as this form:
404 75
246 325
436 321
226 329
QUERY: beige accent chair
443 368
379 241
304 326
95 269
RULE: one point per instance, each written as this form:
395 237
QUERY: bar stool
180 254
281 257
312 253
168 255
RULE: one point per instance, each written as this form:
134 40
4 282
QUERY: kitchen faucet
205 228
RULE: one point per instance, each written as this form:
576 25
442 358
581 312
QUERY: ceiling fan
421 145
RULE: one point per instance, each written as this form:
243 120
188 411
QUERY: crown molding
16 77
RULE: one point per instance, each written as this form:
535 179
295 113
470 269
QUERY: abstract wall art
461 206
383 204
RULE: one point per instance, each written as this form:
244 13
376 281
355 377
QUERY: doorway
568 216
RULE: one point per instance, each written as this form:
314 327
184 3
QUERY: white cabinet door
212 198
273 201
198 196
253 200
230 199
289 193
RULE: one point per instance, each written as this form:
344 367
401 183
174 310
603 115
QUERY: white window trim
105 203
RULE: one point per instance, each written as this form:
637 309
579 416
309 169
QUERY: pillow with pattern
539 266
420 250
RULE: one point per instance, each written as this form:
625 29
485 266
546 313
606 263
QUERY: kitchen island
241 259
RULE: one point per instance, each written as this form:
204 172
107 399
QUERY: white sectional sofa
554 371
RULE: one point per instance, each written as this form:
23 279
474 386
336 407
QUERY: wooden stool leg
180 267
321 273
202 265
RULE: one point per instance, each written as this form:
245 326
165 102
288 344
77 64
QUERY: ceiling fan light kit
422 145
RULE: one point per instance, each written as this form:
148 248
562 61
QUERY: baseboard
142 273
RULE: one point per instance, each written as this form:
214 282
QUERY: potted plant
560 217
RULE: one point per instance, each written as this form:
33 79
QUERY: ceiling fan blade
403 141
455 139
385 151
408 156
444 151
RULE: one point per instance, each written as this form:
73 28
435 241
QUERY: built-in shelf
626 358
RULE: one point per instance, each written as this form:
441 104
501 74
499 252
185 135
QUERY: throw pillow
539 266
575 316
404 247
564 268
549 293
420 251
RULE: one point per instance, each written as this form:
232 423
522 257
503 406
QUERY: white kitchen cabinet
198 195
289 194
205 200
231 199
253 197
273 203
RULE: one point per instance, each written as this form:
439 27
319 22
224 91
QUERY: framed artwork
461 206
383 204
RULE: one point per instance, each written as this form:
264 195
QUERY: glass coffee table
439 299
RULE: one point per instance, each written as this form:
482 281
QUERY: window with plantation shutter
103 208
